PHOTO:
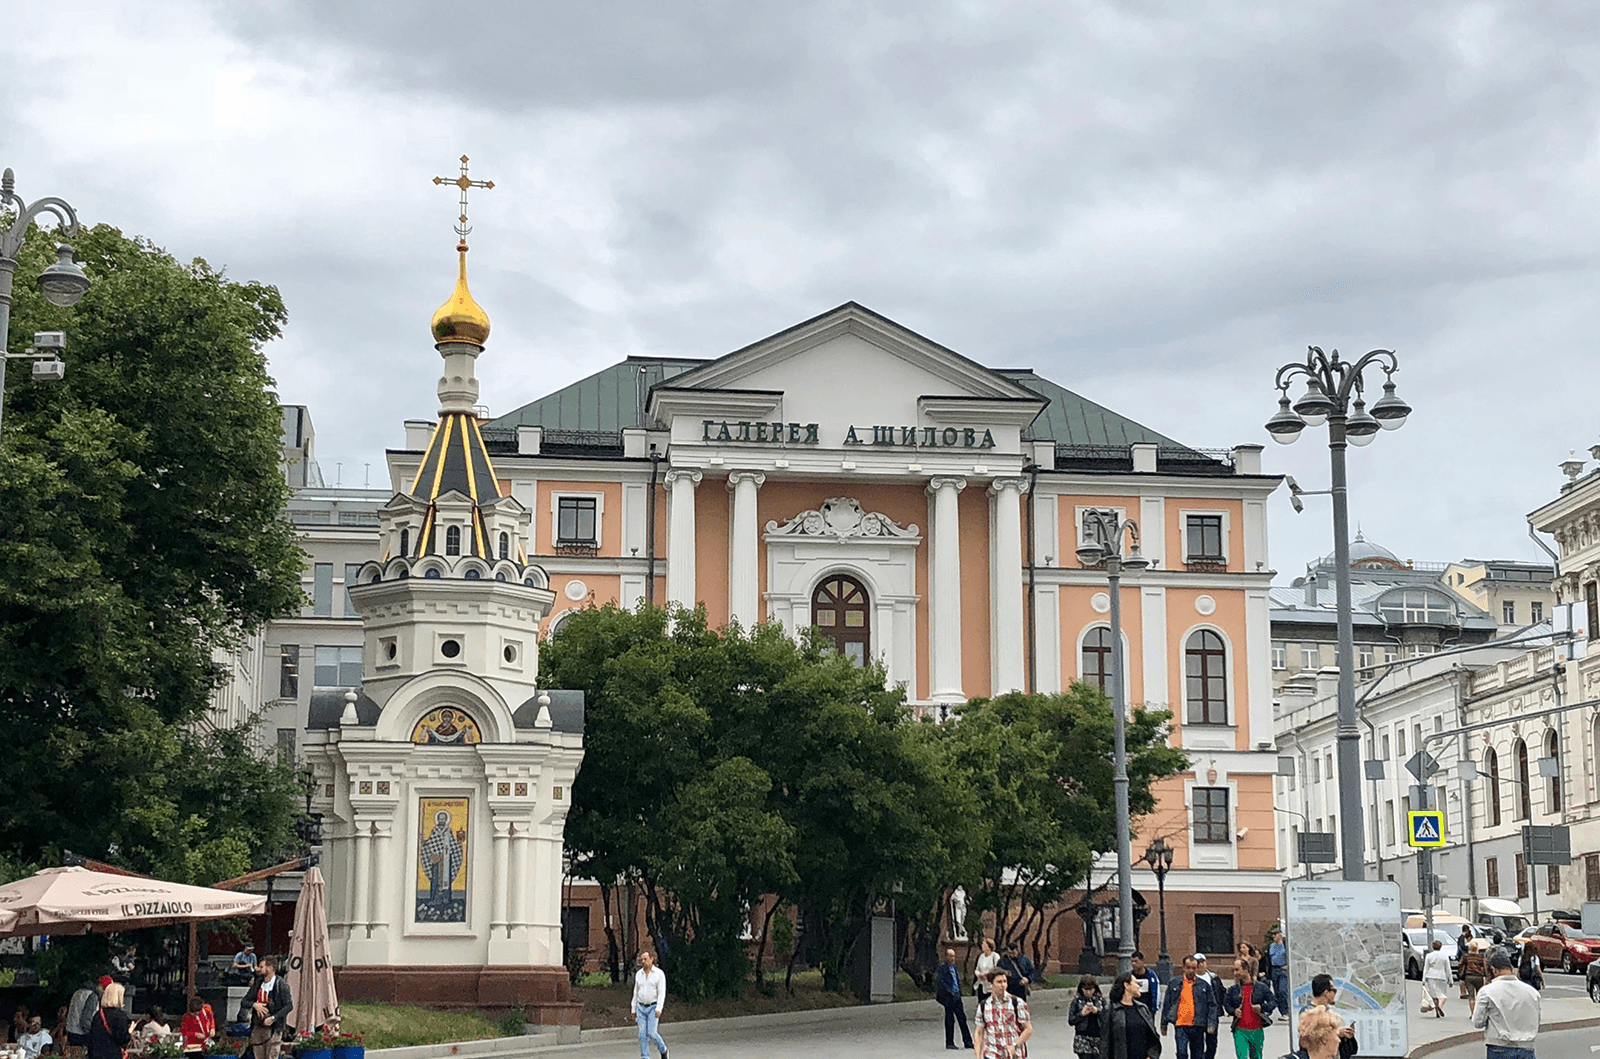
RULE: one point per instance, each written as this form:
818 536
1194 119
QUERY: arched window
1552 794
405 542
841 611
452 540
1491 791
1205 660
1097 658
1524 800
505 545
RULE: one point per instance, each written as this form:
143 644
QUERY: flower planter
314 1053
350 1051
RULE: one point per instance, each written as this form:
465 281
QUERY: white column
744 580
363 880
680 536
519 875
944 583
1007 636
380 910
502 864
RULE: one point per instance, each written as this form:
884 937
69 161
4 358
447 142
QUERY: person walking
1020 971
1475 970
1249 1003
1204 972
80 1013
649 998
1463 943
1086 1016
108 1029
1191 1007
1149 982
266 1008
1530 969
1003 1023
947 990
1278 970
1320 1033
1436 976
988 960
1128 1029
1323 995
1507 1011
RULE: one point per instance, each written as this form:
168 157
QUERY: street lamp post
1335 395
63 283
1159 856
1104 533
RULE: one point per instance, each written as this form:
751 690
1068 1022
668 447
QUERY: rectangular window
1591 603
322 590
1211 815
1491 876
1316 770
1384 742
1388 823
1508 612
1552 879
1405 809
1400 742
286 746
1416 607
1364 660
1591 876
289 671
575 520
352 574
1280 656
1205 537
1536 612
338 667
1213 932
1521 868
1310 656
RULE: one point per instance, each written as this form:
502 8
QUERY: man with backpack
1003 1024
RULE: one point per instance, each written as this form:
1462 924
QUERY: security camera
1243 831
49 370
49 340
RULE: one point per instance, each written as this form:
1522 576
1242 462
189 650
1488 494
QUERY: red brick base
543 993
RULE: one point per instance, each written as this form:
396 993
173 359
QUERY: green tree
144 533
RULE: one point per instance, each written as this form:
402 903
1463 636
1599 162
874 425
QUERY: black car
1594 981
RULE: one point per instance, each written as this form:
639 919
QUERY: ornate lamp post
63 283
1159 856
1335 395
1104 533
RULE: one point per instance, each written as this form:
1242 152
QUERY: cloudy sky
1156 204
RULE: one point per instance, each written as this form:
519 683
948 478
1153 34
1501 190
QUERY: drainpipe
1461 678
1033 593
650 537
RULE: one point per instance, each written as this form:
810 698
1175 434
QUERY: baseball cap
1199 957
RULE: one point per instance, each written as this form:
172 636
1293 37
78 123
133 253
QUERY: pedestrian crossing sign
1425 828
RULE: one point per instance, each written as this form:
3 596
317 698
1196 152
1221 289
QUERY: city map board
1350 930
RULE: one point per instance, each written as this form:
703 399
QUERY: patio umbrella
310 971
77 900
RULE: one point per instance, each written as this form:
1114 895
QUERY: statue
958 914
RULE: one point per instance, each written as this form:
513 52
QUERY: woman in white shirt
1436 977
988 960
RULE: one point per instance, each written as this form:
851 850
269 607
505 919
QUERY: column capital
999 485
682 474
737 477
936 485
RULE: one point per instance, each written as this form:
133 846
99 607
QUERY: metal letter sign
1318 848
1425 828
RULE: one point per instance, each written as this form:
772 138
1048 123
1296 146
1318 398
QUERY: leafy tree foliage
144 534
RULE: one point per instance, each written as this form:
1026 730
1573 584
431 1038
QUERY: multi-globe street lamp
1159 856
62 283
1336 395
1104 533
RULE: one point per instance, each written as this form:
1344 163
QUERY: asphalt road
1554 1044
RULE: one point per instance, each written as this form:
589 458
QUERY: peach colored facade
931 483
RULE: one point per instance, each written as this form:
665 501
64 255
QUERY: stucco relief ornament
842 516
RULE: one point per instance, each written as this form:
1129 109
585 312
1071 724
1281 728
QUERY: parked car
1502 915
1414 946
1564 945
1594 981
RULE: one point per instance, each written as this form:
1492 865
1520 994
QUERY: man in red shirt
1249 1002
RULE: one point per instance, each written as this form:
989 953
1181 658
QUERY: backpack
1015 1011
1529 972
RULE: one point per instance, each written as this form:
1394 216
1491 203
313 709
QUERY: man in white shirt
649 996
1205 974
36 1040
1507 1011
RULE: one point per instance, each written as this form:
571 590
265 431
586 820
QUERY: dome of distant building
1365 553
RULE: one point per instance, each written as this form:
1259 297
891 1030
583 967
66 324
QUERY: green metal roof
609 400
1073 420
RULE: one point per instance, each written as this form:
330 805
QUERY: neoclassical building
922 509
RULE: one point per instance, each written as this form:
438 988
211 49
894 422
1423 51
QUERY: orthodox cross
464 182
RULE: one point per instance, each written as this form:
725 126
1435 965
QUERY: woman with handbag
1085 1015
988 960
108 1030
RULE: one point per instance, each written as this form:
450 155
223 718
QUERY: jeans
1501 1051
1211 1046
1192 1042
646 1017
1247 1044
1280 988
955 1013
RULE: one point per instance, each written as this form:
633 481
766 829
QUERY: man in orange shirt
1191 1007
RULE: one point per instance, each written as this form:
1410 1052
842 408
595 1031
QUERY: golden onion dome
460 318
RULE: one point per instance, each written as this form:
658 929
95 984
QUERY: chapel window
452 540
1097 658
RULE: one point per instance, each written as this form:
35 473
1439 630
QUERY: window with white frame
1311 656
1280 655
1203 538
1508 612
1536 612
1416 607
1211 815
1205 659
576 520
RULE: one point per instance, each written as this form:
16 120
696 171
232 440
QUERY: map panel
1350 930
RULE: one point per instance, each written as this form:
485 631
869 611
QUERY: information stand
1352 931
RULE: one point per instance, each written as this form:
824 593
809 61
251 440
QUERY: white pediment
848 366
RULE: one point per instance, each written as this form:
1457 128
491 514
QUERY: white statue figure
958 914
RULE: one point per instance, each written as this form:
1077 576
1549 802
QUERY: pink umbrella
77 900
310 970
